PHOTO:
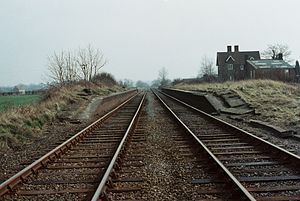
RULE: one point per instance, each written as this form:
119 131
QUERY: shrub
104 79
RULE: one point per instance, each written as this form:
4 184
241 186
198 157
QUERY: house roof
238 57
269 63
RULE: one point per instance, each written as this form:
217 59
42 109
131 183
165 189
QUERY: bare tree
273 51
56 67
162 76
90 61
71 69
206 67
63 67
82 63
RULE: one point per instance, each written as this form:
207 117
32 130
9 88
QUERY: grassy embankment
277 102
19 125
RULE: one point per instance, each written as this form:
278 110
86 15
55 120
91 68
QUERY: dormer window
230 66
251 58
242 67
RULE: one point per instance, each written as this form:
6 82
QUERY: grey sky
139 37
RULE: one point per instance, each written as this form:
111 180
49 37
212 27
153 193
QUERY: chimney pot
229 48
236 48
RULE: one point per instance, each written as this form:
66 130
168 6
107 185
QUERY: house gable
230 59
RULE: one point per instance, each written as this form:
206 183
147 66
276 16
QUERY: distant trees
207 72
274 50
141 84
126 83
83 64
162 77
155 83
206 67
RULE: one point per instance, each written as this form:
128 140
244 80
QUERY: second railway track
267 172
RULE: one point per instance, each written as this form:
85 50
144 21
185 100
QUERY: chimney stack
228 48
236 48
280 56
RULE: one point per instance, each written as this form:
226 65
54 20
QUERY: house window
242 67
230 66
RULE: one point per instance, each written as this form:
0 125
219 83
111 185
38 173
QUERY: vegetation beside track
277 102
19 125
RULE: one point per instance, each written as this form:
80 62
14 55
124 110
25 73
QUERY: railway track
138 152
260 169
132 178
73 170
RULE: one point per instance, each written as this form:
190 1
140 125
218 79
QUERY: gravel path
170 162
164 158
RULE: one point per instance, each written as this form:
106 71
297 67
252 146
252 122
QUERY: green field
7 102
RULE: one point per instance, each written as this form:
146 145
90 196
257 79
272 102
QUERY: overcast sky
139 37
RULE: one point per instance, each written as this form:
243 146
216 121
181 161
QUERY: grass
20 125
277 102
8 102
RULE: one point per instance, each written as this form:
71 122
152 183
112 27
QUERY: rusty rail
101 187
251 152
55 153
246 134
242 190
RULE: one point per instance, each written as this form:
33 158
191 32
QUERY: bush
104 79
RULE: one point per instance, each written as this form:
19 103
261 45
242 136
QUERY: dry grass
22 124
277 102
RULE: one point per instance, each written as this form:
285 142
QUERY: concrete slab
235 102
236 111
277 130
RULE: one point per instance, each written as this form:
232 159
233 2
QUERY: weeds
277 102
20 125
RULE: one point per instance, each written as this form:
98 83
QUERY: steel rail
10 183
245 133
105 178
232 178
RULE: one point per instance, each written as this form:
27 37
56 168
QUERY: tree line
70 66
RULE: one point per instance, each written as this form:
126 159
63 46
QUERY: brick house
240 65
231 65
